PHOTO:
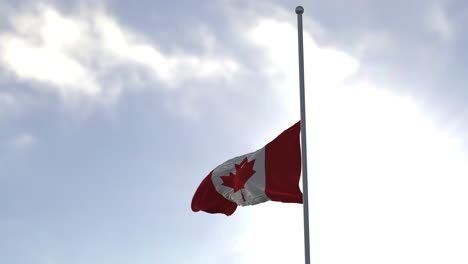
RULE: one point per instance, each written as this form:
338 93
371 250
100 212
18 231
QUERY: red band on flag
283 166
207 199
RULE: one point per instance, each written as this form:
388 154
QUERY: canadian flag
271 173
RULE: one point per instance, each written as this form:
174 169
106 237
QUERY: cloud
275 43
385 183
7 103
277 40
172 69
385 177
24 140
83 56
438 21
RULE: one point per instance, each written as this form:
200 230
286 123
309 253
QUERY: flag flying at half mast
271 173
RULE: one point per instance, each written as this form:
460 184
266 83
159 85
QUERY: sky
113 112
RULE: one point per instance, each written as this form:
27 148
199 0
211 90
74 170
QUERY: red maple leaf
237 181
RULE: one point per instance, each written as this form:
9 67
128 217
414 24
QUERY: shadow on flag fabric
271 173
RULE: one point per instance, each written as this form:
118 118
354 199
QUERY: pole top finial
299 10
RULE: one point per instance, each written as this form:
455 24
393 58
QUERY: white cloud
271 233
49 66
385 181
325 68
170 69
277 40
7 103
438 21
386 184
79 56
23 141
377 42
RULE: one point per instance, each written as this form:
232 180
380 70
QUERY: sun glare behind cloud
387 184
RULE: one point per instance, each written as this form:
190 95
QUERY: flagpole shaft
305 187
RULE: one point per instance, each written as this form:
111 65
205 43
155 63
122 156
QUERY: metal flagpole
299 12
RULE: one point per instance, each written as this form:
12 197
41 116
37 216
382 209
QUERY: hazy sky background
111 114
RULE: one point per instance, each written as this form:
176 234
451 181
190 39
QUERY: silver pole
305 188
